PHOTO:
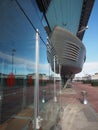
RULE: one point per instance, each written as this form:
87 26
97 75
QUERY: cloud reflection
26 64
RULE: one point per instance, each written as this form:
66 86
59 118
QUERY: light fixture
84 94
43 98
83 29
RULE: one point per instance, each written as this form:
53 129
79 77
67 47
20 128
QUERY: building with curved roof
66 24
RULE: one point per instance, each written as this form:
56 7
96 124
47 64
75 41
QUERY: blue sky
90 41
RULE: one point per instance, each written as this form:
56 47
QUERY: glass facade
18 23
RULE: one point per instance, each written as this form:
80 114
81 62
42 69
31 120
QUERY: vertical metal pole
13 50
24 90
60 88
55 98
36 88
49 81
12 62
1 90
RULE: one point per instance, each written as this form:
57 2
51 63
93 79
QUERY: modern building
66 24
20 21
95 76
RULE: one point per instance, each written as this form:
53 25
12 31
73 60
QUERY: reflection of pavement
19 122
74 115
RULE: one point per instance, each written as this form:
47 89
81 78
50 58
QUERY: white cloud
25 63
17 60
89 68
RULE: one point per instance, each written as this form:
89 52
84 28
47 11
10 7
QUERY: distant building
95 76
86 77
41 76
77 78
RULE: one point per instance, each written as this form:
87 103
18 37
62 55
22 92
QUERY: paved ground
92 94
74 115
78 116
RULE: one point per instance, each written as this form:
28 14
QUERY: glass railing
18 65
18 83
